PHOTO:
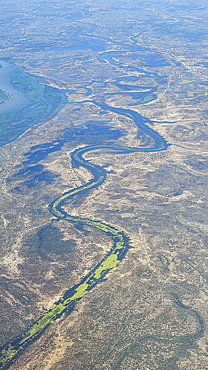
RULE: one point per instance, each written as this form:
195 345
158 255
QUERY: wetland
103 220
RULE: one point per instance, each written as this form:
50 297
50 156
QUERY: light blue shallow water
17 99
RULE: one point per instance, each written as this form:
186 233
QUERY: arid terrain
86 60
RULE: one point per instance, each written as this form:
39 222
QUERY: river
16 99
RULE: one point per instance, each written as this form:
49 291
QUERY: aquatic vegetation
119 240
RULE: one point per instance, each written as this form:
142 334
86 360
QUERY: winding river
120 242
151 141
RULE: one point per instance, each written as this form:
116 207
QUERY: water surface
16 100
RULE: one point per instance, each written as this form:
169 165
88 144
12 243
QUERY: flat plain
149 312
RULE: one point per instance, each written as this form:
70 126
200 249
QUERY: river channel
120 242
150 141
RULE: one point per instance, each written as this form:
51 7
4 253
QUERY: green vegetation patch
110 262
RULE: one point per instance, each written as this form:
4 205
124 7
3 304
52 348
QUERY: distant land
104 171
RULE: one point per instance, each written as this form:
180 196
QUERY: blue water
17 99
